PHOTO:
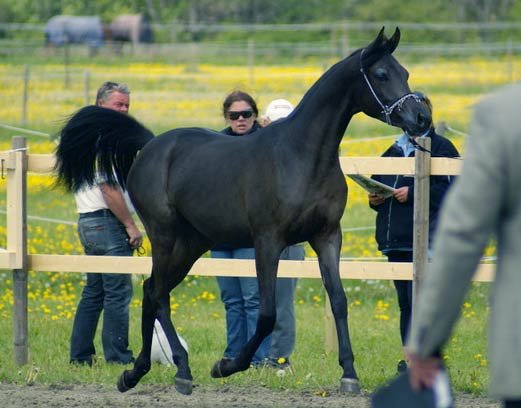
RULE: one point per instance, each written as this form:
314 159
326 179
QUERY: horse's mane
380 47
333 70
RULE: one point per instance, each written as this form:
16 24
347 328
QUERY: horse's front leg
327 246
266 262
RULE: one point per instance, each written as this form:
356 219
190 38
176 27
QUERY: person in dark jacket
394 218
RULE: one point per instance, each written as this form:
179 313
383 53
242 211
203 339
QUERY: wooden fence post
421 212
17 241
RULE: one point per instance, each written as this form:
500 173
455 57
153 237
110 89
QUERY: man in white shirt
105 227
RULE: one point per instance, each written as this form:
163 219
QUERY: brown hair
424 98
237 96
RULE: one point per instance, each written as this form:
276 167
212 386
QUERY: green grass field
166 96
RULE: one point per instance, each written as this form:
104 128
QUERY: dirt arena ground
153 396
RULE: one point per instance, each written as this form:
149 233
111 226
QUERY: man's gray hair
108 88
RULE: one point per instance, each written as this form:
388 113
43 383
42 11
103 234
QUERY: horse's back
199 174
179 158
155 161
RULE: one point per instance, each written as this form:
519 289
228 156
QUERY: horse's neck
325 111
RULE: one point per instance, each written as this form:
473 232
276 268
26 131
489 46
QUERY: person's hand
422 370
264 121
375 199
401 194
135 238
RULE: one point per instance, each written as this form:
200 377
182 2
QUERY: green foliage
341 20
267 11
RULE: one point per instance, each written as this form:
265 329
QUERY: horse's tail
98 142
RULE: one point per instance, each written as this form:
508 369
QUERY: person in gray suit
484 202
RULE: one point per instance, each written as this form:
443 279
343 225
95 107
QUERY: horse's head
385 93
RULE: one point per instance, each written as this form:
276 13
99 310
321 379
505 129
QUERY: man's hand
116 203
135 238
422 370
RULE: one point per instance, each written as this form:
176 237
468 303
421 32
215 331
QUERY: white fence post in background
66 63
344 40
251 59
87 86
421 212
17 242
25 97
510 67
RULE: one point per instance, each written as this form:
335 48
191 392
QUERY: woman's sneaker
279 363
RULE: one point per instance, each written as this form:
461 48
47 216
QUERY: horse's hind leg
189 246
171 263
162 250
327 247
183 377
129 378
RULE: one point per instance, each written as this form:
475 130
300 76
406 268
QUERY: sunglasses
236 115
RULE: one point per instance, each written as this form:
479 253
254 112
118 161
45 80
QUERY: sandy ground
153 396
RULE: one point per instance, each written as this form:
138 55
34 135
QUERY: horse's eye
381 75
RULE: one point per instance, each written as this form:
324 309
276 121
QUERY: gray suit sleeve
468 218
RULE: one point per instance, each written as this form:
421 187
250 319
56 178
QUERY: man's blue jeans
102 234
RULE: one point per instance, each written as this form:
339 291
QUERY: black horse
194 188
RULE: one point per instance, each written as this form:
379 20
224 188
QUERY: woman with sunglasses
240 112
240 295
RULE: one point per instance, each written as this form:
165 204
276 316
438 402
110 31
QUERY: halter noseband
386 109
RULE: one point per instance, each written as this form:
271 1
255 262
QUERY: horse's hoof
350 385
222 368
216 370
122 387
183 386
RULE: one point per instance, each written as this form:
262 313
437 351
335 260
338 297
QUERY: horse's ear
380 38
380 46
394 40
